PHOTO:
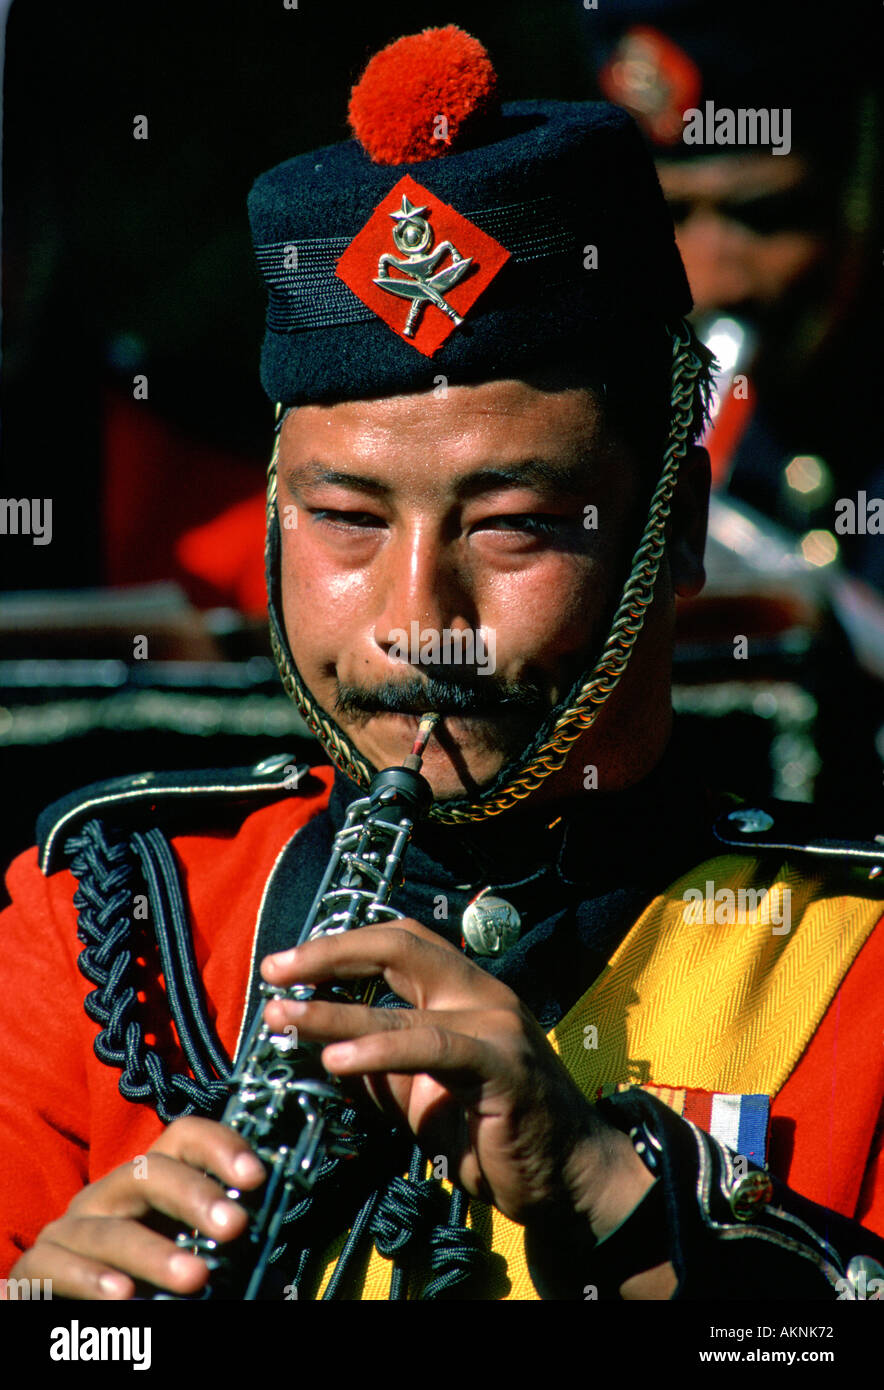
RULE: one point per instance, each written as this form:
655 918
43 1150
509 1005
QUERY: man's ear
690 513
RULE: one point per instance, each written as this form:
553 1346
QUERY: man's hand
104 1241
468 1068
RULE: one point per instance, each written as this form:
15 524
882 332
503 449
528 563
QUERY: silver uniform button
491 925
751 822
865 1277
274 763
749 1193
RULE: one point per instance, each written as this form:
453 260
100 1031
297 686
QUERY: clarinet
283 1101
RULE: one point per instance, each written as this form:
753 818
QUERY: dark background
124 256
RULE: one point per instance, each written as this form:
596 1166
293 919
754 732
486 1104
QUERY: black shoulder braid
116 855
111 869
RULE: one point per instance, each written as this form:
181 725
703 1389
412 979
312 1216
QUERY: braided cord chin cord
552 746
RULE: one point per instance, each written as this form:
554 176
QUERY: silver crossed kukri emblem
413 236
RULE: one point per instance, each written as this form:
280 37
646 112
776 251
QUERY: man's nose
422 584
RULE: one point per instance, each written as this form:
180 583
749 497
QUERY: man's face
424 515
740 227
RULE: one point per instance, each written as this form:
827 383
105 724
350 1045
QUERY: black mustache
417 696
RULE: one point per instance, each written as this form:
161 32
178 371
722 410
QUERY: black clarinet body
283 1101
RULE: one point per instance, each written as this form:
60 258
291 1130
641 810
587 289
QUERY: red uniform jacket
64 1124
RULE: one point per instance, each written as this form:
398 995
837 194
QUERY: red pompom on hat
420 95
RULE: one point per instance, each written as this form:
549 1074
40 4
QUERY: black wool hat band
305 293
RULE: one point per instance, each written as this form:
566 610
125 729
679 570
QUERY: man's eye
535 523
356 519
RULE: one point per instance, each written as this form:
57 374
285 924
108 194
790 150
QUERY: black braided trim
414 1217
406 1215
340 1187
184 990
459 1257
360 1226
109 873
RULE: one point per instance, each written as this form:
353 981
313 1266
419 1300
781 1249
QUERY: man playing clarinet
616 1047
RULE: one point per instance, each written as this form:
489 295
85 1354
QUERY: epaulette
154 797
797 828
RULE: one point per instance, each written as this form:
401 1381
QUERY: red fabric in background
162 490
227 554
722 439
828 1117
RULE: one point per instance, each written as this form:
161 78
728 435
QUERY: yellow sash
719 1005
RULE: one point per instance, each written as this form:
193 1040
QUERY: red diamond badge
419 265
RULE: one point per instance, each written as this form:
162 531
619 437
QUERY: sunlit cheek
547 610
324 601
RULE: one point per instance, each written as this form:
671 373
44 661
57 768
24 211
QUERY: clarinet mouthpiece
399 790
403 788
424 729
